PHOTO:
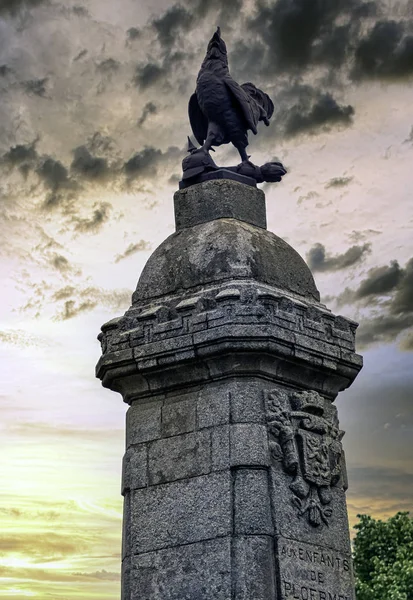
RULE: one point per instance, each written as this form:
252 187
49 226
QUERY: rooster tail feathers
260 98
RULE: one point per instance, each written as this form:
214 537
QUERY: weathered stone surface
247 401
143 423
217 200
200 571
178 417
252 508
182 512
135 468
220 447
222 250
126 527
126 593
291 525
311 572
213 405
249 445
254 568
180 456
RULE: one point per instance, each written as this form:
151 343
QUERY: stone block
293 525
126 593
213 406
200 571
134 468
143 423
181 512
252 509
219 199
247 401
253 568
178 417
312 572
249 445
126 527
180 456
220 437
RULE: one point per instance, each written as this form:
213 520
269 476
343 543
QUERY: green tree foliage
383 558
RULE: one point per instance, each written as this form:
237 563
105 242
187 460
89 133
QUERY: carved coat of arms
307 441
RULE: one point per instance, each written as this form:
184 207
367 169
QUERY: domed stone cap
221 250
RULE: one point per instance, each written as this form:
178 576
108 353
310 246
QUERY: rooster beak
217 35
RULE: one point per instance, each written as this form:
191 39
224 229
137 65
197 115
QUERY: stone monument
234 474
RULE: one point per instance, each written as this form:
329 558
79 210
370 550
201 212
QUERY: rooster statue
222 111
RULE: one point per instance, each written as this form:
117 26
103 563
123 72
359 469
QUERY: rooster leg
244 156
243 153
208 142
214 137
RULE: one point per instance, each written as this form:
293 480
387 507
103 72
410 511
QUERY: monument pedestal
234 474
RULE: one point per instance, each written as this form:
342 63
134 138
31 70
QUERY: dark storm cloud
160 71
382 329
54 174
36 86
102 144
143 162
56 178
132 249
319 260
244 58
108 65
313 111
338 182
133 33
380 281
87 165
173 22
301 32
146 75
149 109
389 289
97 162
5 70
224 13
148 160
80 11
22 154
362 235
99 217
386 51
170 29
81 54
73 301
72 308
13 6
403 299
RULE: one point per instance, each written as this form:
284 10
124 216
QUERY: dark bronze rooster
222 111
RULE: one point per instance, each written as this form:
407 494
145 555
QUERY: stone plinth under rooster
234 474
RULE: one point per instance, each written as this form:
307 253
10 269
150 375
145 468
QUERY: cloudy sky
93 125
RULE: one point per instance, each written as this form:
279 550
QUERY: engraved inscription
309 572
307 441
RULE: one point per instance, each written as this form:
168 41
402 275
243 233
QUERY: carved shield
315 457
